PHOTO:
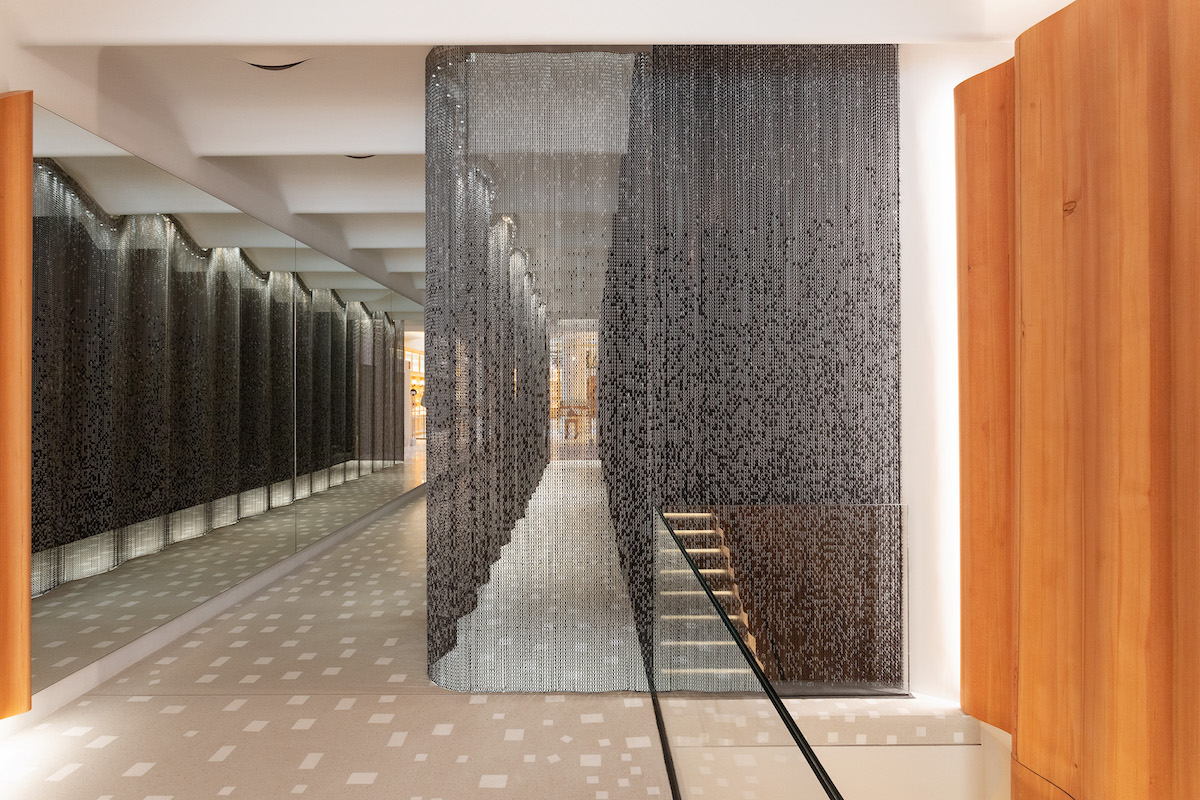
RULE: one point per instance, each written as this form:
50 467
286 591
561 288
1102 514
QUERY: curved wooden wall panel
1183 32
984 129
16 303
1107 411
1027 785
1127 627
1050 412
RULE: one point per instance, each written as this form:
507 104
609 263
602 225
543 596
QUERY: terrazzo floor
316 687
78 622
737 747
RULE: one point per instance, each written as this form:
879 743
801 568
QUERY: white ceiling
295 24
124 184
168 83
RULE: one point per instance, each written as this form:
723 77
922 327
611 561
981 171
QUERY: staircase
697 642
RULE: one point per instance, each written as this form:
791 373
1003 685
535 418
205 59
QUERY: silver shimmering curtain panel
178 388
661 279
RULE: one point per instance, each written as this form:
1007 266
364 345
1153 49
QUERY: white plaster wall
897 772
997 763
929 352
1004 19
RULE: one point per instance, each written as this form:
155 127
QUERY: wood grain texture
1107 410
1050 408
1183 39
1028 785
1126 614
16 303
986 330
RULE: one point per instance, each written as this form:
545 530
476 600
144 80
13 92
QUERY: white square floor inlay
194 727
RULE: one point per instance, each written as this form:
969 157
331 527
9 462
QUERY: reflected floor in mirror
82 621
296 692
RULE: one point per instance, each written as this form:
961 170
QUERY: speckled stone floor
316 687
78 622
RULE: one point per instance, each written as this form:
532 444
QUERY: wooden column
1183 42
16 303
1107 410
1125 219
986 305
1050 408
1028 785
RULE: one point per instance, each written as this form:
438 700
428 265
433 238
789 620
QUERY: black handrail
785 716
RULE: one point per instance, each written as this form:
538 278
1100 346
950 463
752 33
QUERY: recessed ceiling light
276 67
370 156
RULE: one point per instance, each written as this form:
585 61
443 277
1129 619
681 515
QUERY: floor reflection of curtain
555 611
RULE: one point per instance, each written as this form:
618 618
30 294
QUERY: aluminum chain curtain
666 278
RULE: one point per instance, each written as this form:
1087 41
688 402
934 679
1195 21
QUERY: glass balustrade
727 732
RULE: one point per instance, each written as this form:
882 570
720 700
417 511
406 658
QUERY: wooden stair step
706 620
706 548
701 570
700 539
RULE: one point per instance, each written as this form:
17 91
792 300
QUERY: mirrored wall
209 397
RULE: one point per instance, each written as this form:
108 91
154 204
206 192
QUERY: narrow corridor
556 610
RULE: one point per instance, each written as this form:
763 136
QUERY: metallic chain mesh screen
177 389
657 279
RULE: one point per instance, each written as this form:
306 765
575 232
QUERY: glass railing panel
727 732
817 592
694 648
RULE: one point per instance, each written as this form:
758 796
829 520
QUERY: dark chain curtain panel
753 319
713 232
177 389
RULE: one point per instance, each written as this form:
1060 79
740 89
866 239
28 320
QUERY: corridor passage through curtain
660 277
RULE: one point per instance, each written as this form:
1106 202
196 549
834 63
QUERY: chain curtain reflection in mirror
177 389
654 278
